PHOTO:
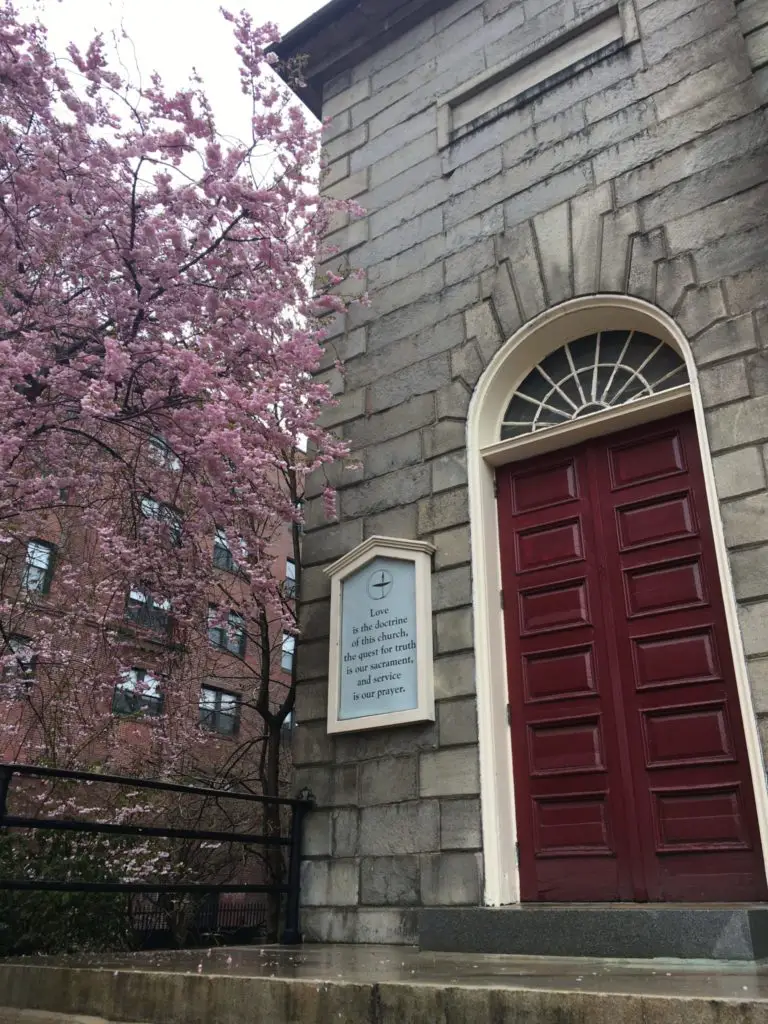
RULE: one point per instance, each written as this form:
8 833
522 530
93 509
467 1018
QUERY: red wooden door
631 773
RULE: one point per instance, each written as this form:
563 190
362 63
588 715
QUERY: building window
592 374
153 509
290 578
289 649
137 692
38 567
227 634
219 711
148 611
222 552
162 453
18 665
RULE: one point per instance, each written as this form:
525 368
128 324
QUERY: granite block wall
646 173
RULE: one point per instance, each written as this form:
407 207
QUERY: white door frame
527 347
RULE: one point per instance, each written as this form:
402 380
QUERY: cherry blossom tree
159 327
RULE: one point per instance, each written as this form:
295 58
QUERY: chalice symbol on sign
379 584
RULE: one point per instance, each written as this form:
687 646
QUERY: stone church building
561 384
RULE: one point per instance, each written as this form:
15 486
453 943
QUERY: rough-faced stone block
446 509
312 701
451 878
384 926
345 832
312 745
618 229
453 401
452 547
467 364
725 340
453 631
331 787
421 378
455 676
449 471
700 308
739 424
758 681
445 436
383 458
396 829
469 262
451 588
316 841
726 382
450 772
586 230
416 412
345 407
739 472
338 147
460 824
754 628
331 542
745 520
482 326
399 488
390 880
388 781
552 230
395 522
346 97
457 722
505 304
673 279
646 252
379 743
749 569
329 883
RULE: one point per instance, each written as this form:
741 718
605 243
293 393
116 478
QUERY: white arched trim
528 346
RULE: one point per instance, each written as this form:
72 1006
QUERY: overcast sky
172 37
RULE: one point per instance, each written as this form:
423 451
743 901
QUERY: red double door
631 773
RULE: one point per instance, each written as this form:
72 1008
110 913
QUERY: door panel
631 771
563 721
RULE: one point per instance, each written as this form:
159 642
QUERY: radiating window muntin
589 375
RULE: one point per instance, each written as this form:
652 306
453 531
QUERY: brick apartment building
123 683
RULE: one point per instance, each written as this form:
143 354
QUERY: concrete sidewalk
379 985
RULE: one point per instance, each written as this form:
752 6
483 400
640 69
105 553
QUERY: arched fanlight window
590 375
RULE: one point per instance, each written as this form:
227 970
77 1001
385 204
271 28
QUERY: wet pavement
407 965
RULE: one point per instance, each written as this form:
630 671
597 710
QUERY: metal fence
217 915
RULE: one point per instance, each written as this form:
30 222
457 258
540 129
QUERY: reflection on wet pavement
406 964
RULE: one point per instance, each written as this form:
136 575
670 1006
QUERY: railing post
5 784
291 934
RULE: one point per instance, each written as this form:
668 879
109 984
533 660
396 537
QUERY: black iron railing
290 888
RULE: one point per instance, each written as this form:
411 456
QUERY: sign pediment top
392 547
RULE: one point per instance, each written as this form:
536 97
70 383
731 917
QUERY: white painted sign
381 636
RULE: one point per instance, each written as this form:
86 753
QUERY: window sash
162 453
38 567
18 674
219 711
151 508
229 635
290 578
222 552
289 649
144 610
137 692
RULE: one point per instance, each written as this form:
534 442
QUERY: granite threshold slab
734 932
